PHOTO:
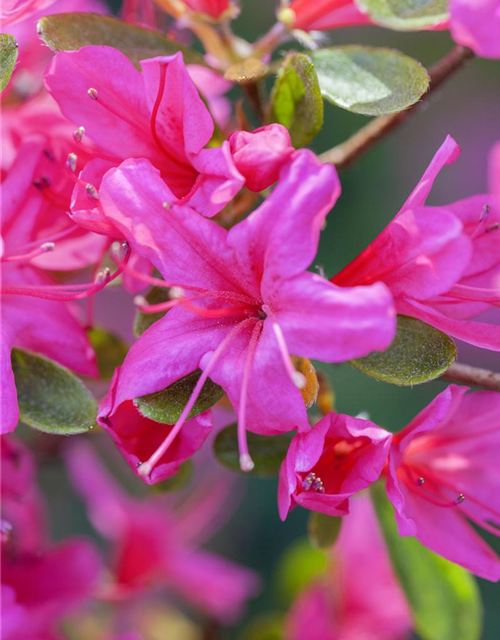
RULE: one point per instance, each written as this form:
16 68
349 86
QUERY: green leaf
267 452
143 321
368 80
71 31
8 58
443 597
405 15
299 566
323 530
266 626
110 351
419 353
167 405
51 398
296 100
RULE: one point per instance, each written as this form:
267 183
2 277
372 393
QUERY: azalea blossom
156 114
442 264
321 15
476 24
243 300
443 472
138 438
154 545
325 466
17 10
359 598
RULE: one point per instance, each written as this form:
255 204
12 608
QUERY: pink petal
476 24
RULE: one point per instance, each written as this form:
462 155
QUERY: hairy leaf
296 101
323 530
443 597
167 405
71 31
50 397
267 452
419 353
8 58
405 15
368 80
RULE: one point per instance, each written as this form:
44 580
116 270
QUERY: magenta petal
447 153
333 324
476 24
281 237
10 409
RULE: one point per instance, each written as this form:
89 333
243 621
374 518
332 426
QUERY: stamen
91 191
166 205
78 134
464 292
92 93
296 377
407 469
71 162
307 483
142 304
27 257
246 462
147 467
318 486
493 227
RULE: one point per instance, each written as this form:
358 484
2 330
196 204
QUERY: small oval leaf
50 397
368 80
267 452
418 353
110 350
8 58
71 31
443 597
167 405
406 15
143 321
323 530
296 100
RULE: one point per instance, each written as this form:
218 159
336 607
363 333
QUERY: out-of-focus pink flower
443 470
260 154
360 598
17 10
138 437
245 299
476 24
442 264
325 466
155 546
321 15
157 115
214 8
35 314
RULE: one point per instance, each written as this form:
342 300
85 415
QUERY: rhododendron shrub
195 292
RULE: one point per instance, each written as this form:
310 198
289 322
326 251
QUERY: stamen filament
27 257
147 467
296 377
246 462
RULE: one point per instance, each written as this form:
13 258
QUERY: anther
48 153
71 162
493 227
308 481
318 486
459 499
176 292
92 93
79 133
47 246
140 301
299 380
246 463
421 482
138 464
166 205
91 191
484 212
38 184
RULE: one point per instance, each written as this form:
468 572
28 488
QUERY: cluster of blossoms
133 168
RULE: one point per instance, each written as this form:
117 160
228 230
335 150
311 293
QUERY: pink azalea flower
138 437
157 115
244 300
476 24
360 598
443 471
17 10
35 311
153 546
213 87
321 15
332 461
213 8
260 154
442 264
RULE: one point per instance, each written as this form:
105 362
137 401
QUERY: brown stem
252 92
474 376
343 154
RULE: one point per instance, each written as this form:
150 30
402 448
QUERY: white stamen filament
296 377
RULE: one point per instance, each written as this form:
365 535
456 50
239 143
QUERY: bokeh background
468 108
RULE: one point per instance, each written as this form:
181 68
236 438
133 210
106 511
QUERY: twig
474 376
344 154
252 92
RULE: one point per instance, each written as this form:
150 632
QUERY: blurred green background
468 108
